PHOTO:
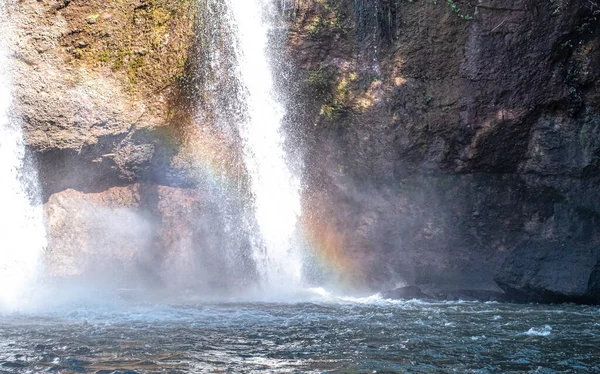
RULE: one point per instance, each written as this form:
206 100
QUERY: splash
545 331
275 189
22 235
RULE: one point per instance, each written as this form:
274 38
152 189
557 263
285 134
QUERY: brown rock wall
436 137
445 144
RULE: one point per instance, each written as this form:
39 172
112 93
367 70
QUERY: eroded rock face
94 83
444 145
129 168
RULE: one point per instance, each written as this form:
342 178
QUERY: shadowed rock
408 292
552 273
471 295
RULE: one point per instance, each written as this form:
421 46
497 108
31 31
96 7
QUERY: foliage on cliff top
145 41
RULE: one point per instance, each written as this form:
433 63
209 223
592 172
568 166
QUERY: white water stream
22 232
276 190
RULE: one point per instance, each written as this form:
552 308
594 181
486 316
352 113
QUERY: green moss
134 68
324 88
332 112
321 81
118 59
330 23
454 7
147 42
104 57
339 93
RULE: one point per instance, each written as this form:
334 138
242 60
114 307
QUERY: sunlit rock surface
95 82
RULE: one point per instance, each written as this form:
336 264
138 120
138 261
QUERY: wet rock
408 292
471 295
13 364
552 272
451 149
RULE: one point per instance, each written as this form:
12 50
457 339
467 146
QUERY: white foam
320 294
545 331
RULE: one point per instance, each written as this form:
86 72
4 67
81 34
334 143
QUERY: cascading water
275 189
22 235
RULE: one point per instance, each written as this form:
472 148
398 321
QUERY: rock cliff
95 83
447 136
126 168
446 144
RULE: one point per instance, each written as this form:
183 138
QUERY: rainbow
219 161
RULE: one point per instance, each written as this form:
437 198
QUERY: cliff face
94 83
101 89
453 138
445 144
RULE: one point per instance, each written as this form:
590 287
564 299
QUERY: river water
322 334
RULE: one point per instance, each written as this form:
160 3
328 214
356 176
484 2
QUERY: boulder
471 295
408 292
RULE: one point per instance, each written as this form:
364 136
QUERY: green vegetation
587 25
333 111
332 88
317 27
567 43
327 24
321 81
557 6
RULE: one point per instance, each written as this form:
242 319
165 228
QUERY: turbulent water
337 335
22 235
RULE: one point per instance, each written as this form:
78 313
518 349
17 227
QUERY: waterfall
275 188
22 235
